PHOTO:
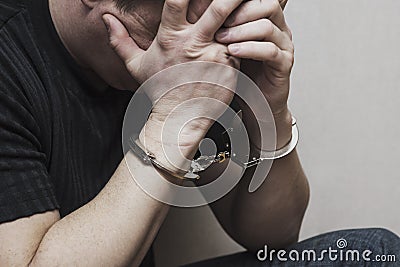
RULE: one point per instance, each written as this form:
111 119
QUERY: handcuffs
203 162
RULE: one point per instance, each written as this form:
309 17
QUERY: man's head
81 28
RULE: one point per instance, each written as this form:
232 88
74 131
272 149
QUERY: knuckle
268 27
131 68
190 52
166 39
274 50
290 34
219 11
165 42
192 49
291 49
117 45
288 65
114 43
291 59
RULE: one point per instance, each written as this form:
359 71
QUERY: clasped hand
219 31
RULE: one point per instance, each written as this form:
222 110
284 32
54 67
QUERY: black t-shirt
60 138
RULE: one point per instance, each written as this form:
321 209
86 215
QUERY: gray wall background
346 96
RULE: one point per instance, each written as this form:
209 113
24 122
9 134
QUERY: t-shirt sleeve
25 185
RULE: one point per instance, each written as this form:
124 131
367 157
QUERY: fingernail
222 34
234 48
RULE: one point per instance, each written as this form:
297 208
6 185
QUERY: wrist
173 147
283 125
161 147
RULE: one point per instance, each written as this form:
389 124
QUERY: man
67 195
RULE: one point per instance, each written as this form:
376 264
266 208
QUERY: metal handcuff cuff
203 162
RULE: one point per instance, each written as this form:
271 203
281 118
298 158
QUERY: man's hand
179 41
257 32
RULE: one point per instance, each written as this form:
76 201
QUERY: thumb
120 41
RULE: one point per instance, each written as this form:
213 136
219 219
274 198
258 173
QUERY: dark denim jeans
358 247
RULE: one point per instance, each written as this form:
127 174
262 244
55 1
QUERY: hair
125 5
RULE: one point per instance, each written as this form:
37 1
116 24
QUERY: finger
255 10
196 9
215 16
174 13
120 40
265 52
260 30
123 45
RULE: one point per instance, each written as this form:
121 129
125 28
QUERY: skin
119 224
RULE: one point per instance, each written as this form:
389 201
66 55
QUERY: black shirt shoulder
8 8
60 138
25 186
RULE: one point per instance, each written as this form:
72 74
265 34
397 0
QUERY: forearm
116 228
277 208
273 214
258 34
